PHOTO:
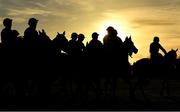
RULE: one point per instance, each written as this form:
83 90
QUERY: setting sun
117 25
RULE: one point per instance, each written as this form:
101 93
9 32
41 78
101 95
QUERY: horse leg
97 88
114 86
141 88
168 89
64 85
71 86
131 89
142 91
164 87
106 85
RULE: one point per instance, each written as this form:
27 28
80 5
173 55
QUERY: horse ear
87 43
43 31
130 37
176 50
58 33
64 33
126 38
40 32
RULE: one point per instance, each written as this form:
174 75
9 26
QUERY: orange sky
143 19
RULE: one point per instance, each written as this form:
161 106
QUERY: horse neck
169 58
126 48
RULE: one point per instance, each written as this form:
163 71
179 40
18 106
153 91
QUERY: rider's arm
162 49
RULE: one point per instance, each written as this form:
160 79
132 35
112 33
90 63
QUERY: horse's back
146 68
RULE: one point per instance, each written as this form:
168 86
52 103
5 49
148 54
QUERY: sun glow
119 27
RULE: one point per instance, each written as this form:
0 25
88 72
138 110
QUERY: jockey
154 49
31 35
7 33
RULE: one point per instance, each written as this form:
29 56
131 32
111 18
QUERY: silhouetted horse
120 66
60 46
177 66
163 69
60 42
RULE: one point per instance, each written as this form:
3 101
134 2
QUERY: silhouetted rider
7 33
154 49
113 49
72 44
30 34
95 46
80 45
112 43
95 54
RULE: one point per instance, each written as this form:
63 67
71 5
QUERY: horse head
43 35
60 41
171 56
130 47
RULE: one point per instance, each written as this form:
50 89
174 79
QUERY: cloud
76 7
153 22
79 12
27 12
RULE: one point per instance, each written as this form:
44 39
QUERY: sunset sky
142 19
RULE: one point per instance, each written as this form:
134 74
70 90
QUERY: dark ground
121 102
